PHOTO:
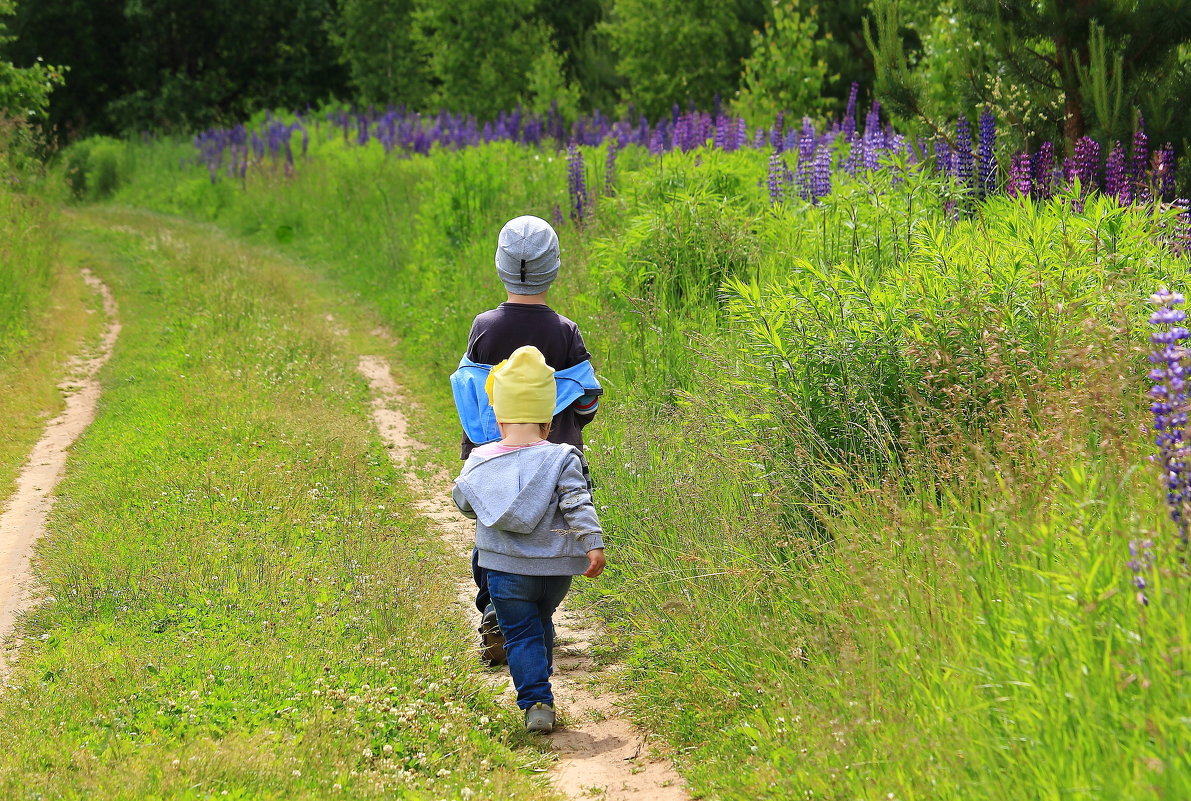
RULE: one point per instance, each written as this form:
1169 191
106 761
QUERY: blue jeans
524 605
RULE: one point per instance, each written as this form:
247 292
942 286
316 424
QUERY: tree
24 91
671 52
177 64
479 54
787 69
376 41
1086 63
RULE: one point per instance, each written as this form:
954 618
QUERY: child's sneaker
539 718
492 640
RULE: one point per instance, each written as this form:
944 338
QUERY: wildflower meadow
889 306
892 460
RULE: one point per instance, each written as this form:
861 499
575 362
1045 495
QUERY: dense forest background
1048 70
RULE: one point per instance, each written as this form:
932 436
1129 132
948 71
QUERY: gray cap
527 255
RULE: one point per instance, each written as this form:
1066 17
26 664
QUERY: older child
527 261
536 526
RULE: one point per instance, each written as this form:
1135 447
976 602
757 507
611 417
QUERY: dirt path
25 513
600 753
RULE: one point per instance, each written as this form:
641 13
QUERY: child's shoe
492 640
539 718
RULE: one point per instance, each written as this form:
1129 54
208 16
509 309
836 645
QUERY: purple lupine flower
1164 172
1181 238
777 170
778 134
1140 163
986 160
576 183
1043 168
1169 403
943 157
1141 562
848 126
821 173
873 138
806 154
759 138
964 172
1087 163
1020 177
558 218
1117 183
656 143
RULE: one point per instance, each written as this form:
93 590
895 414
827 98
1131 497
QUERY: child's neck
514 434
538 299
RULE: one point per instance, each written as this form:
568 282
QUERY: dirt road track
26 510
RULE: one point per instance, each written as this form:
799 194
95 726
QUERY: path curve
601 754
24 517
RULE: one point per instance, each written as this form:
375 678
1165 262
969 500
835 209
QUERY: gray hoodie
532 508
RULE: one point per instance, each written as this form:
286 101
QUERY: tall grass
27 249
869 470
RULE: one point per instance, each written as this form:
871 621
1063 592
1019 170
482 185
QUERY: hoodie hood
513 491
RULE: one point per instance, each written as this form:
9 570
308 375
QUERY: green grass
869 472
47 316
241 601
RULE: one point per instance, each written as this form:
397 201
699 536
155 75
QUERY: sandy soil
601 754
24 517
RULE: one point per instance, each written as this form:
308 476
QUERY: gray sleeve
461 501
574 501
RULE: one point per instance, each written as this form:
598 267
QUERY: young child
527 261
536 526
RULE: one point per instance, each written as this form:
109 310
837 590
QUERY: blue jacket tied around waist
475 413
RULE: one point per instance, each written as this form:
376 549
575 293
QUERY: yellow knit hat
521 388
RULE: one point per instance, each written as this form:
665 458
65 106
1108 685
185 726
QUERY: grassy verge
30 370
47 314
241 603
870 469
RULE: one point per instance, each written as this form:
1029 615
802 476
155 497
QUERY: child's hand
595 562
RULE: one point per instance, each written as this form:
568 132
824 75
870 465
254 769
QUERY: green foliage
165 64
668 58
1046 68
787 69
547 87
375 38
24 91
479 54
94 168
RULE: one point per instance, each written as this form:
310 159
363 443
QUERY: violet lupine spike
806 153
610 167
1117 181
777 169
1141 564
1139 164
1164 173
1169 403
1021 182
1043 168
778 134
848 126
576 183
943 157
964 163
1181 239
821 173
1087 163
986 160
